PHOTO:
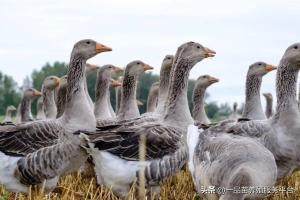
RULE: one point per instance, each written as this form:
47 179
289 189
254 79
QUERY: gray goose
19 144
118 95
9 112
48 90
269 104
128 106
89 69
102 107
234 115
199 113
153 97
61 96
115 150
25 105
40 109
253 108
278 134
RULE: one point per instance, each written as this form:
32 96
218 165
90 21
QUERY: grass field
178 187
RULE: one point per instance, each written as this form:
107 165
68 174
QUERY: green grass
2 118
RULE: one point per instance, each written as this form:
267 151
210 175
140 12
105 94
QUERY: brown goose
253 108
48 91
153 97
199 113
18 142
115 150
251 140
269 104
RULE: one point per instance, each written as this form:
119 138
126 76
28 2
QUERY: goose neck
26 109
199 113
101 98
49 103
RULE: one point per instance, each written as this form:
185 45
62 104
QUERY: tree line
10 93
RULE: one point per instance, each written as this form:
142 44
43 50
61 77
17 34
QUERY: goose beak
57 81
209 52
147 67
117 69
270 67
139 103
115 83
37 93
92 67
102 48
212 80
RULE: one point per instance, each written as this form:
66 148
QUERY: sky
34 32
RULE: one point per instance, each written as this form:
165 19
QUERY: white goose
37 137
115 150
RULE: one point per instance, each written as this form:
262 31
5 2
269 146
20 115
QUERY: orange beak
37 93
102 48
57 82
117 69
115 83
212 80
209 52
270 67
91 66
147 67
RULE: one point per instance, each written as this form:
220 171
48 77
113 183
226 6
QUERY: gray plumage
61 96
152 97
9 112
48 91
269 104
25 107
40 109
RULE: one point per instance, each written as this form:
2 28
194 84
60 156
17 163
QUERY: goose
48 91
234 115
115 150
118 95
201 85
278 134
9 112
139 103
253 108
40 109
102 95
61 96
113 84
89 69
269 104
23 139
25 105
152 97
128 106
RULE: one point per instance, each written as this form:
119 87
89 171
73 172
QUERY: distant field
1 118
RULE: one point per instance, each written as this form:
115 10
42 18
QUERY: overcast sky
241 32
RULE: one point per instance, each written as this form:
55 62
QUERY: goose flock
254 149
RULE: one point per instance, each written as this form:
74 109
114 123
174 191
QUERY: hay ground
178 187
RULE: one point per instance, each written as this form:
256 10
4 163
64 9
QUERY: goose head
167 63
106 71
292 55
137 67
11 108
205 81
88 48
31 92
194 52
90 68
51 82
260 69
268 95
63 81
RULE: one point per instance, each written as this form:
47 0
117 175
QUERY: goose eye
169 58
138 63
259 64
295 47
198 47
88 42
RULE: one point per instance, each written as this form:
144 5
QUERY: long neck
128 106
269 107
253 108
112 112
152 100
26 109
177 109
49 103
40 110
101 109
61 101
118 98
77 107
199 113
287 113
163 90
87 93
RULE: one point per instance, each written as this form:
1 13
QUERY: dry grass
177 187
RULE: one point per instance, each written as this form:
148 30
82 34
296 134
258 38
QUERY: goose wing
21 139
124 142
